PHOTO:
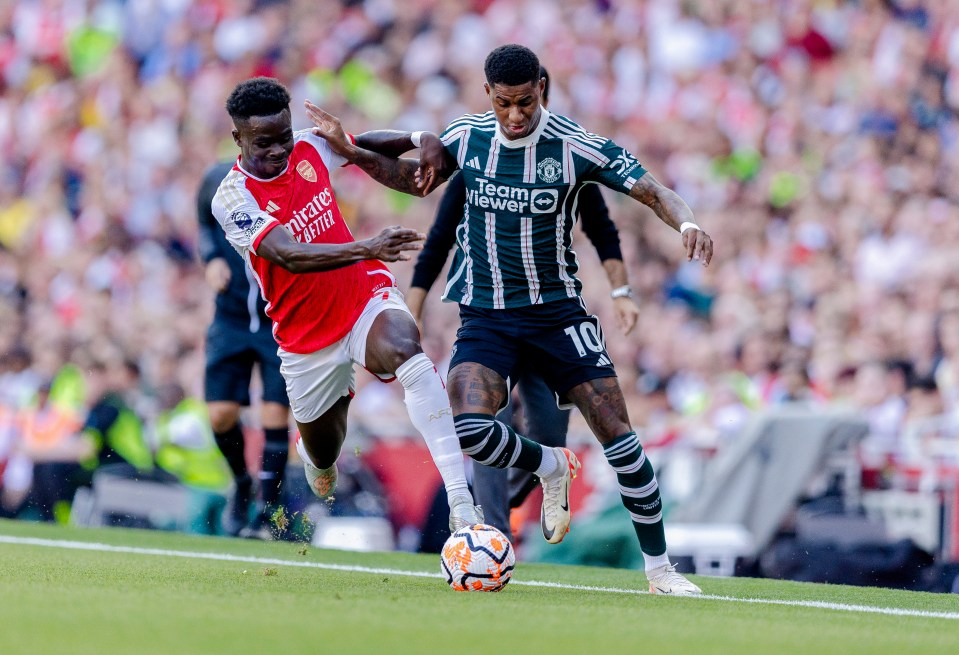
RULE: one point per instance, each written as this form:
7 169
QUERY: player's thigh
229 366
484 356
384 335
316 381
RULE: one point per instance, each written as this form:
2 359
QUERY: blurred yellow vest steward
186 447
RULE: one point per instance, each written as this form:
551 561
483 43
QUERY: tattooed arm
673 211
392 143
398 174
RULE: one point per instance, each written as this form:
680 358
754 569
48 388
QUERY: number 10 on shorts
590 337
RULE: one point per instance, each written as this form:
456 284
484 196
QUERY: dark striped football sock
639 491
495 444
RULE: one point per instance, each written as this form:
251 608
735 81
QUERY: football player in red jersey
332 301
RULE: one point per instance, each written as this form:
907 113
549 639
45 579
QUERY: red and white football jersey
309 310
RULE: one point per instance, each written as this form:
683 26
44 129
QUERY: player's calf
429 410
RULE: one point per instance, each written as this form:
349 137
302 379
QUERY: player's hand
627 313
328 127
432 161
699 246
217 273
392 244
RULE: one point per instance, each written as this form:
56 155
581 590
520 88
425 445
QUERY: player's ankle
549 466
460 498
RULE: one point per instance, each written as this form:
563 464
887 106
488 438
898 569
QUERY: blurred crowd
816 140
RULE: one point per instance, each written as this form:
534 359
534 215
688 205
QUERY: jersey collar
239 165
532 137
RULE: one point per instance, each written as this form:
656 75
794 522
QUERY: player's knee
398 352
223 420
274 414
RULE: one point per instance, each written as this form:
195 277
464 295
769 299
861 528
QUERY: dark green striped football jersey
515 238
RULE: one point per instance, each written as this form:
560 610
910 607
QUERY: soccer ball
477 558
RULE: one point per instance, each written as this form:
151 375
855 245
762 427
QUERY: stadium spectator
65 451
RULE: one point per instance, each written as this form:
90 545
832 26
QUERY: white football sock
301 451
549 465
655 561
429 410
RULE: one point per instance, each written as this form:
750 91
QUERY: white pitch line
225 557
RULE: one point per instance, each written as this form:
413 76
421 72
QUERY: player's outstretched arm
674 212
436 164
397 174
392 143
390 245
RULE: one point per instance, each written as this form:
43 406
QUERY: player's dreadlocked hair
512 65
257 96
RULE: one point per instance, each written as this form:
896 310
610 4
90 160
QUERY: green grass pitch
169 593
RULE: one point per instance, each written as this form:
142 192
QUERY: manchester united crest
306 171
549 170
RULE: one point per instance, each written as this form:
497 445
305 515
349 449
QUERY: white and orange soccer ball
477 558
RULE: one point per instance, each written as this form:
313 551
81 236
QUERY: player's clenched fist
391 244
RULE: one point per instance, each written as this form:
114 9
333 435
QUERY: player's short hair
257 96
512 65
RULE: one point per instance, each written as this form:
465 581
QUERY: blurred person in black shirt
241 336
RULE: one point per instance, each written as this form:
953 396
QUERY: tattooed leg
602 403
476 394
475 389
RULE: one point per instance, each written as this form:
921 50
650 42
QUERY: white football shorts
314 382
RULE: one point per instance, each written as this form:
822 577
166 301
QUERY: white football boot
665 580
555 515
463 513
322 481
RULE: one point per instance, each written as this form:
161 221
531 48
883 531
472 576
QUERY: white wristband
415 138
621 292
689 226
